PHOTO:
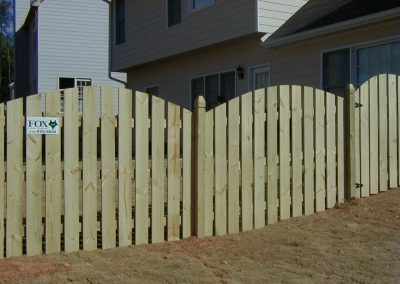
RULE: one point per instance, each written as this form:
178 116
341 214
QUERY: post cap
200 102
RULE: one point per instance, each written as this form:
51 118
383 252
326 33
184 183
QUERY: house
179 49
340 42
62 44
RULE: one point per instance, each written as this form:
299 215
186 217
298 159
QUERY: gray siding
21 38
73 42
21 11
149 39
272 13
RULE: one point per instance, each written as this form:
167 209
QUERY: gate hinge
358 105
359 185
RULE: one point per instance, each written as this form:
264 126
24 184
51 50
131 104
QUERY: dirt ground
356 242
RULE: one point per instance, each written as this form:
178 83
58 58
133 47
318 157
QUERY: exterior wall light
240 72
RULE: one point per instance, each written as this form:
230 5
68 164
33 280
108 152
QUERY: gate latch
358 105
359 185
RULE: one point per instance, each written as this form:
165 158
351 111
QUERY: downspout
110 45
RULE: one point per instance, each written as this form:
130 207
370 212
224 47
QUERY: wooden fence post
350 146
199 206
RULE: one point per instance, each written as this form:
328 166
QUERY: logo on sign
43 125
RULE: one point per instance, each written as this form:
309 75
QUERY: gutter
353 23
110 26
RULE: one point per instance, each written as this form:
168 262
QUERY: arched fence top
154 171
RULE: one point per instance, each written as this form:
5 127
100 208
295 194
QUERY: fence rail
157 172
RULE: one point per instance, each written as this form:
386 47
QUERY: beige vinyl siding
272 13
149 39
295 64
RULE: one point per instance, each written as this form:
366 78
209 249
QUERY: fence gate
377 128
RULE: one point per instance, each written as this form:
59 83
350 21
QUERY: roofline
353 23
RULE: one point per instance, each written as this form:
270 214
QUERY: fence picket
199 171
398 126
108 170
272 155
340 148
173 172
142 172
392 145
15 178
246 165
71 171
2 184
34 182
308 142
89 147
331 189
373 136
364 139
125 172
357 142
284 152
319 150
53 179
233 165
297 154
220 171
383 134
209 173
187 173
157 170
259 159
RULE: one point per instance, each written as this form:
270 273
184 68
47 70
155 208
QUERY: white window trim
192 10
204 83
353 58
250 74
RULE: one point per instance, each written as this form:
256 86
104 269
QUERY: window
260 77
374 60
216 88
174 12
336 71
119 21
153 91
357 64
199 4
66 83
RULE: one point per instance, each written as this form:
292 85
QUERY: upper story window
174 12
199 4
119 21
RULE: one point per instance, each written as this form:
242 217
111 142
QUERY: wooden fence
377 129
158 172
268 156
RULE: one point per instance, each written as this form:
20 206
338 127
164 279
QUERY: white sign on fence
43 125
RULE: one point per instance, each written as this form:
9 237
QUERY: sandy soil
356 242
